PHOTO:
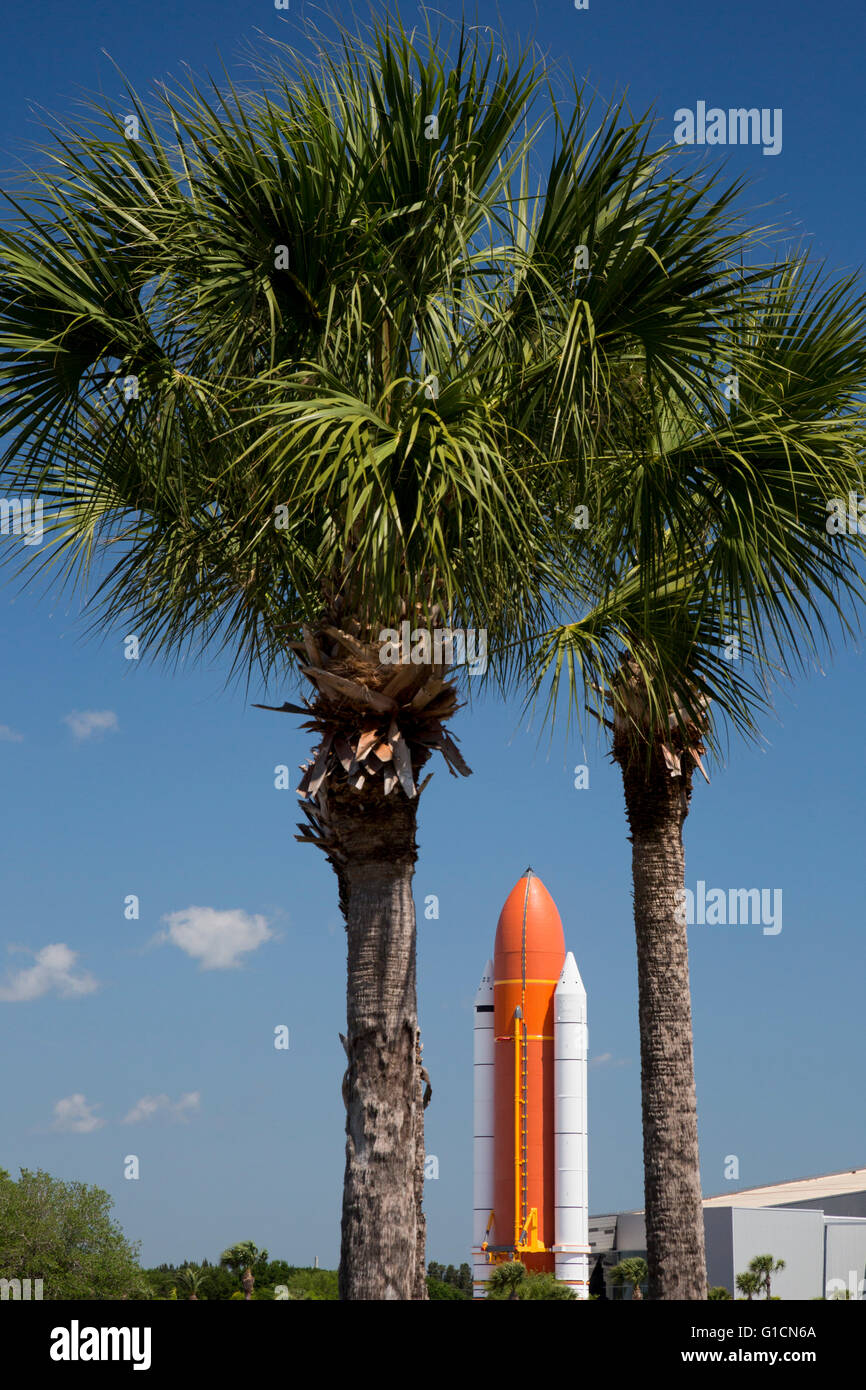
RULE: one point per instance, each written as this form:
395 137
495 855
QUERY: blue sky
121 778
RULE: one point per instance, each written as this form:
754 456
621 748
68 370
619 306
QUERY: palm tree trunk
420 1293
382 1086
360 798
657 806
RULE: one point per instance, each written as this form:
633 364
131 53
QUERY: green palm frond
306 300
721 531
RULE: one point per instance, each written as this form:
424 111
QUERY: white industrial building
816 1225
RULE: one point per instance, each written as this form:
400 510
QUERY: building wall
719 1242
845 1254
792 1235
631 1231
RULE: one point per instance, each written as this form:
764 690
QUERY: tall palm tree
729 577
224 323
296 366
221 342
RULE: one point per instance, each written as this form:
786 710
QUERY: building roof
800 1190
775 1195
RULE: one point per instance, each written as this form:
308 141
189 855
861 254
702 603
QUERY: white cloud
149 1106
216 939
52 973
8 735
607 1059
87 722
74 1115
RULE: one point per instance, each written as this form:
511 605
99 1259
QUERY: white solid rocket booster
570 1131
482 1142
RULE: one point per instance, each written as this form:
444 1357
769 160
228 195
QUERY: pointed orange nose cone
529 933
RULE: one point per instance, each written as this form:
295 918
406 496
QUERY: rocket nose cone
484 993
529 922
570 981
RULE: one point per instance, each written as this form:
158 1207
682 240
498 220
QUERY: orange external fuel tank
528 959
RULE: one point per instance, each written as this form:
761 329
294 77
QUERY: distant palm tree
764 1266
507 1279
241 1259
191 1277
749 1284
633 1271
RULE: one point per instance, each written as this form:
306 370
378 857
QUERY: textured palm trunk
379 714
382 1225
420 1293
657 805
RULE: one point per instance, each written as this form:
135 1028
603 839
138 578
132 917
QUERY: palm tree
727 580
218 348
632 1270
294 367
191 1277
749 1284
506 1280
764 1266
241 1259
